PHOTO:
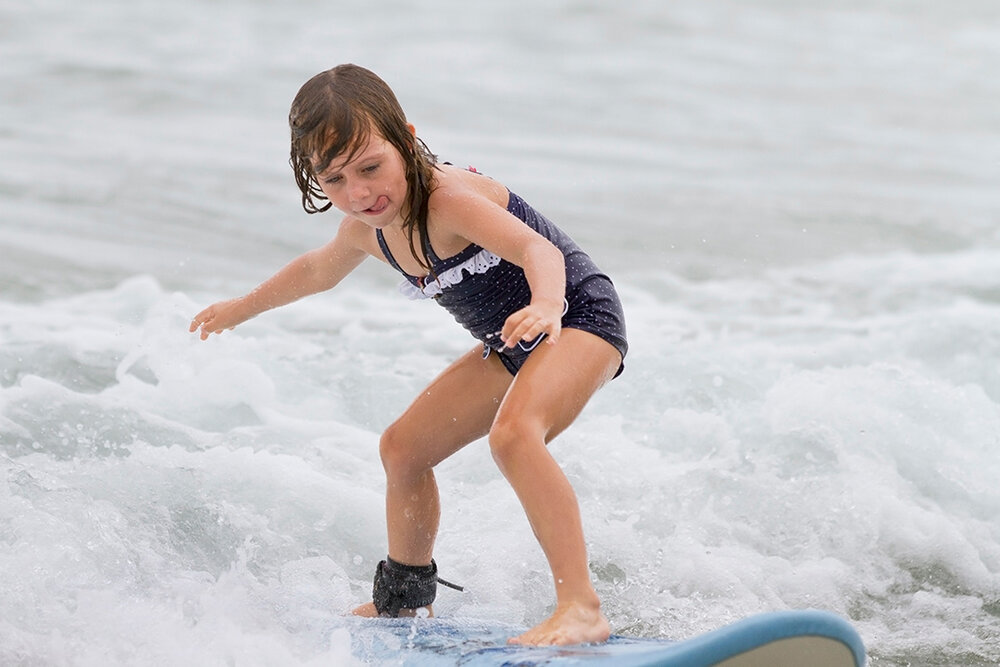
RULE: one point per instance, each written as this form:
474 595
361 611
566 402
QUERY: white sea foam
797 202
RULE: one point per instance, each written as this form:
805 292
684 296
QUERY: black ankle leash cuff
398 586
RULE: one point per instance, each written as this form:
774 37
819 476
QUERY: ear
413 134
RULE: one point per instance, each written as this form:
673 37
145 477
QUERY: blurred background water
797 200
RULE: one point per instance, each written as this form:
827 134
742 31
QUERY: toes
536 637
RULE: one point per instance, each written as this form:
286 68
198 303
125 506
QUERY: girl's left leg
547 394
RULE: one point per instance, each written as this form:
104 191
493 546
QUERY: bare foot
368 610
570 624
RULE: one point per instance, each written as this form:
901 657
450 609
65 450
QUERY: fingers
219 316
205 320
527 325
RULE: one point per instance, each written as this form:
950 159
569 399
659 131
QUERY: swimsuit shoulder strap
386 252
429 251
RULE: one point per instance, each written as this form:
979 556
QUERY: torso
480 288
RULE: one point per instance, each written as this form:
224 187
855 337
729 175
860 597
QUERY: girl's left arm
471 215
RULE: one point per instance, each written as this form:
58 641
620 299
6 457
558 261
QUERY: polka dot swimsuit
481 290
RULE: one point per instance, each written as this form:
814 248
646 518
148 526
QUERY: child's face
371 187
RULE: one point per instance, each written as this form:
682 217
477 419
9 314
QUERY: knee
509 436
396 452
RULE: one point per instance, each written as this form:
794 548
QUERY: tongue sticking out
379 206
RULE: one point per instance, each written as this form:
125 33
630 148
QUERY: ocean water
798 201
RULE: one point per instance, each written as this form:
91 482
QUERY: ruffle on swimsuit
481 262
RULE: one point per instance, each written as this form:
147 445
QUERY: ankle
585 600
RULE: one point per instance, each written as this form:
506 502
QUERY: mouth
380 205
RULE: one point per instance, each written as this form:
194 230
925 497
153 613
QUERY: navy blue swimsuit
481 290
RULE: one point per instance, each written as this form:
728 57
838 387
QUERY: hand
532 321
219 316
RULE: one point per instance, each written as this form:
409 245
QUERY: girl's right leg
455 409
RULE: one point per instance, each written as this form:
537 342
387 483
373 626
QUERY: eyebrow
330 171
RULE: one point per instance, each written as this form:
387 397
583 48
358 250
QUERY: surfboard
806 638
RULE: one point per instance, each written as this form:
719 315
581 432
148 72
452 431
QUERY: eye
371 168
333 180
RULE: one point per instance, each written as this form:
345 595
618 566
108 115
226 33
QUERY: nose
357 191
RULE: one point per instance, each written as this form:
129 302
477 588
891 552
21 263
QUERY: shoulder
459 193
354 233
468 208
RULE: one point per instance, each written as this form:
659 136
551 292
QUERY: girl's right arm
312 272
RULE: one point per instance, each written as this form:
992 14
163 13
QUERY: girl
509 276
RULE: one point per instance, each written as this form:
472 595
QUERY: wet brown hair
332 117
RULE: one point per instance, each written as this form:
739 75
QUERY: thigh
457 407
556 381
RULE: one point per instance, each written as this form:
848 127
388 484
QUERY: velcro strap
398 586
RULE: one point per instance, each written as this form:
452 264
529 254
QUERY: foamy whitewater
798 201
